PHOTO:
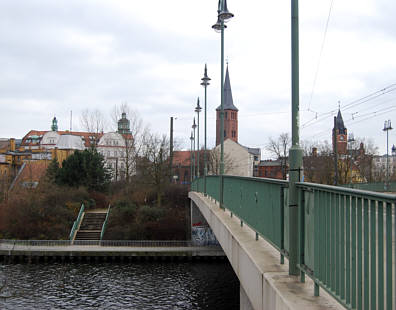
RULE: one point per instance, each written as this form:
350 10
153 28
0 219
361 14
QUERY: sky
71 55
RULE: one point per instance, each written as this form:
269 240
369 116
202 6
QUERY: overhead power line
320 56
320 117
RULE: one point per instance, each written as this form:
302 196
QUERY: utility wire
354 103
353 121
320 56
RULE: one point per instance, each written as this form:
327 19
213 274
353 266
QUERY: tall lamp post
223 16
193 127
198 109
191 158
351 141
295 151
387 127
205 83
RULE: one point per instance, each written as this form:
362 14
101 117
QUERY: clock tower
341 134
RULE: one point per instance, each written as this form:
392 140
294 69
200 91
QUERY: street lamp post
351 140
387 127
223 16
198 109
191 158
205 83
295 153
193 127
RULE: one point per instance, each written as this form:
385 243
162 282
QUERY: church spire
228 101
230 114
340 123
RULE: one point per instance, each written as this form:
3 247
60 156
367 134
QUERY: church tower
341 135
124 125
230 114
54 126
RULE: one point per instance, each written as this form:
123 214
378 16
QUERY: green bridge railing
376 187
346 236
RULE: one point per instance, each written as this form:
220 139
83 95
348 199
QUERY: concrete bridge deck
265 283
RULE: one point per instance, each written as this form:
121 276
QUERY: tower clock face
342 138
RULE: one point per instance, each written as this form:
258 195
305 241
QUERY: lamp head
198 107
218 26
224 14
205 79
194 125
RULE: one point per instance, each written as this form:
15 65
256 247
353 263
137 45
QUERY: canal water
146 285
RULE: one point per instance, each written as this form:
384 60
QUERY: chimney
314 151
12 144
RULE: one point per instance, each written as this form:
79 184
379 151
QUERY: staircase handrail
105 223
76 222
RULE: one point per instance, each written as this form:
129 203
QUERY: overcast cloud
58 56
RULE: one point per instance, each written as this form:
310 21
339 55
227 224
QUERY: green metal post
295 152
381 258
373 261
193 127
389 272
222 118
191 158
198 111
205 83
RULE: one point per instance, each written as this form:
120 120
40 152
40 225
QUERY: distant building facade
239 160
272 169
181 167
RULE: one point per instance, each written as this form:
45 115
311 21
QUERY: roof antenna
339 105
71 120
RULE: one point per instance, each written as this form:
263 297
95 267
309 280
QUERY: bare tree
94 123
214 162
154 166
280 149
318 163
134 140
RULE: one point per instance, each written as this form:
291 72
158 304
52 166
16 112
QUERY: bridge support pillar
244 300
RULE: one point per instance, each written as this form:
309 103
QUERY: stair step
91 226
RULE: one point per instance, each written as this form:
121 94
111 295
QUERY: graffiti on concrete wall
201 233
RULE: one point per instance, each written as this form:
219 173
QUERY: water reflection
149 285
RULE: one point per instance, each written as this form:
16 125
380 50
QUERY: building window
225 134
226 115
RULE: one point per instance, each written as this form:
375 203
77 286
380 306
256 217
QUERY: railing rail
76 223
346 244
105 223
346 236
104 243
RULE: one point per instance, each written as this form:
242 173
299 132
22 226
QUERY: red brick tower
341 135
230 114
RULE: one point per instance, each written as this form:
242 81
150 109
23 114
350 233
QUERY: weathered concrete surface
244 300
265 282
93 250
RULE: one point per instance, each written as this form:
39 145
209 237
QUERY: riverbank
38 251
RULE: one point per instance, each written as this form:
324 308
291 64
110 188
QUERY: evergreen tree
52 170
86 168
